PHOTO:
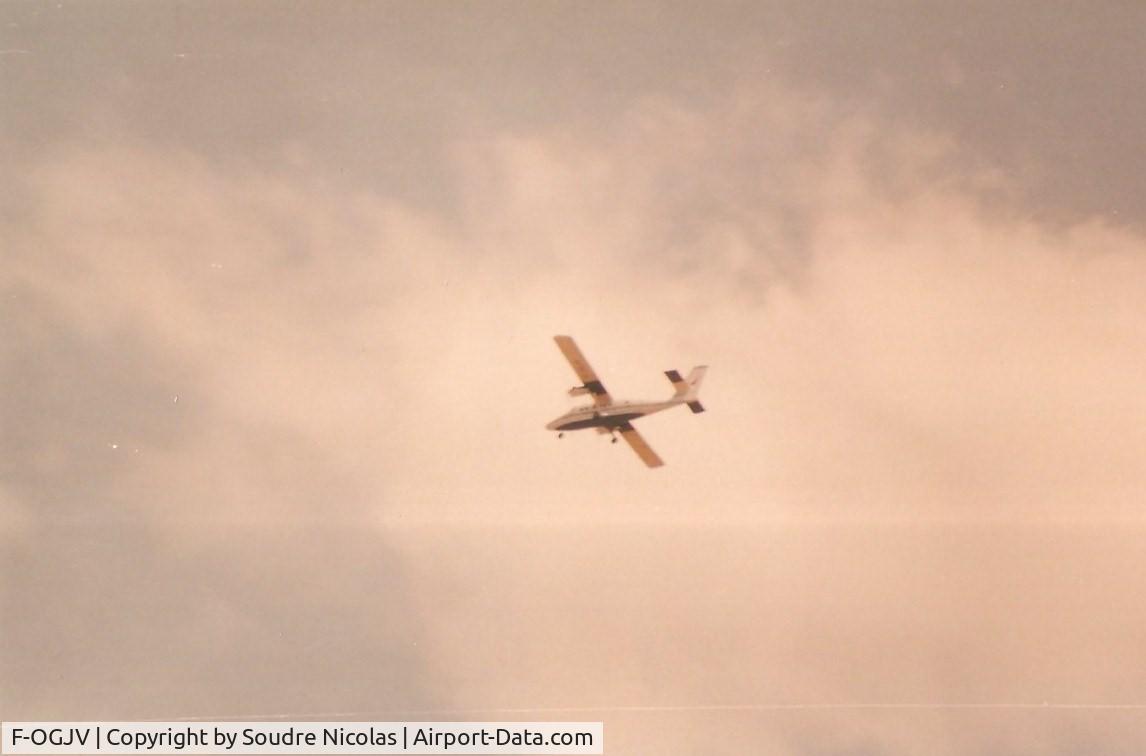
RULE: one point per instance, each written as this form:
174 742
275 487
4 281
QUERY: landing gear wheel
561 435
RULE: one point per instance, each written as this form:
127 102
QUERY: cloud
915 482
188 542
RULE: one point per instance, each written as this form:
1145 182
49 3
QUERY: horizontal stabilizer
696 407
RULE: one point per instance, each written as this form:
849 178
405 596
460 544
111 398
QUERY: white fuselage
610 416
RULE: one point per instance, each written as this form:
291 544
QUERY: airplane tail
688 388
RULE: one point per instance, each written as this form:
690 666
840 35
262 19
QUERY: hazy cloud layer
373 93
273 441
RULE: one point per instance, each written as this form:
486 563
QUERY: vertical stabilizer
694 379
688 388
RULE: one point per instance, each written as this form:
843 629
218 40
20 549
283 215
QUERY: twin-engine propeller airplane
612 417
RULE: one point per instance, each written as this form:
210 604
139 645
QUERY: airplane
612 417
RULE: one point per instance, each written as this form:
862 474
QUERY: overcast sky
277 300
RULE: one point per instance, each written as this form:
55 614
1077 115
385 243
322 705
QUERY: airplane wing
640 446
581 367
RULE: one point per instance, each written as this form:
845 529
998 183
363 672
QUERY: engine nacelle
578 391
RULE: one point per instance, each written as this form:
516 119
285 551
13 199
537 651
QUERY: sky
277 300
